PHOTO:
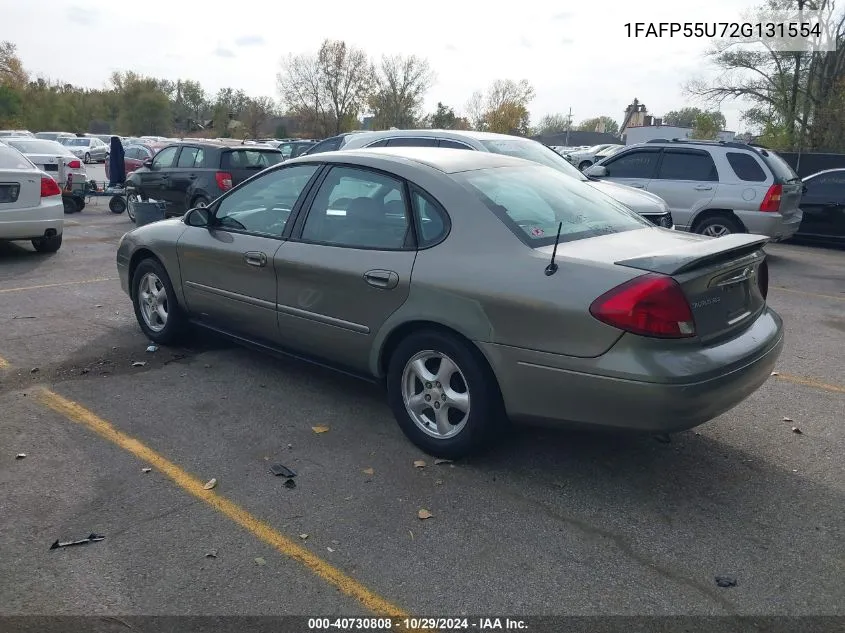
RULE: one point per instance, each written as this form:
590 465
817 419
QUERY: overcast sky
575 54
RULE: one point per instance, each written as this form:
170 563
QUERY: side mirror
596 171
199 217
148 163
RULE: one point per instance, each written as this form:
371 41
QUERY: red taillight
763 278
771 202
651 305
75 164
224 180
49 187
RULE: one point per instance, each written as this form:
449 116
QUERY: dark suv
191 174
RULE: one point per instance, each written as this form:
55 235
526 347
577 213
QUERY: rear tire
47 244
469 411
584 164
158 312
199 201
79 203
718 226
117 204
69 204
87 158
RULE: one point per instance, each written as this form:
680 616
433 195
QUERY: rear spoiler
689 255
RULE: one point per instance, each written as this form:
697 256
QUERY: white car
52 157
586 157
31 205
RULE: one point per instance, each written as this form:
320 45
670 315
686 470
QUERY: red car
134 156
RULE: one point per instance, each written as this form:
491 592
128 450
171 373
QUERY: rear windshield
535 152
250 159
780 168
11 159
531 201
37 146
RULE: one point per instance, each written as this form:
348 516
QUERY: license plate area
51 168
9 192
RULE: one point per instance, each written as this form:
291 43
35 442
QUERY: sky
576 54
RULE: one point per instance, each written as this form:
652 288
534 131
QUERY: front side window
359 208
165 157
532 201
264 205
187 157
636 164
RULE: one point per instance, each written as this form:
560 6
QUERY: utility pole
568 126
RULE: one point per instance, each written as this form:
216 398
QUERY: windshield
535 152
38 146
531 201
76 141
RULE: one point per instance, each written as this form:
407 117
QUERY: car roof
449 161
456 134
824 171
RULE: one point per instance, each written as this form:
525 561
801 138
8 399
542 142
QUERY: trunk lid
53 164
19 189
719 276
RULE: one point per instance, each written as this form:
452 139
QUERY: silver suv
712 187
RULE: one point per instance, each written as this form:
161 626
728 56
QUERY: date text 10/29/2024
414 624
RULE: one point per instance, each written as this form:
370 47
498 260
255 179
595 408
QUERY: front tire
69 205
79 203
444 395
156 308
87 158
47 244
131 199
199 202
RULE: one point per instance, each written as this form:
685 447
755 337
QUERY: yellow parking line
64 283
809 382
282 544
4 364
809 294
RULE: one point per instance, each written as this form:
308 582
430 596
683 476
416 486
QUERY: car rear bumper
774 225
633 387
25 224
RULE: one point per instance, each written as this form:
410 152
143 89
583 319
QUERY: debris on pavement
303 536
726 581
34 370
152 347
24 317
424 514
211 554
787 419
146 470
774 373
290 446
438 482
441 460
20 456
320 428
369 471
412 534
290 483
280 470
210 484
91 538
330 549
797 431
139 363
419 463
260 561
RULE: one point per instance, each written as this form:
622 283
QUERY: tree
255 114
12 72
687 117
551 123
347 78
707 126
400 87
10 106
443 118
597 123
503 108
794 95
302 90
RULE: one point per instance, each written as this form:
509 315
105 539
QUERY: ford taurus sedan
479 288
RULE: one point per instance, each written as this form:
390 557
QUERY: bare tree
475 111
302 89
347 78
400 87
256 113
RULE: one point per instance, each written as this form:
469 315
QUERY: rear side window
249 159
432 221
687 165
746 167
445 142
329 145
780 168
380 143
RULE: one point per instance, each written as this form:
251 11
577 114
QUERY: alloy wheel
152 299
436 394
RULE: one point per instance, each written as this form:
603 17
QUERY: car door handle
255 258
382 278
703 188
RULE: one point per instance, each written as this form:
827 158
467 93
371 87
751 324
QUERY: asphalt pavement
549 522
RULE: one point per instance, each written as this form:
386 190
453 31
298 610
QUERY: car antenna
551 269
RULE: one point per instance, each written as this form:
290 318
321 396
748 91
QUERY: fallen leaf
20 456
210 484
787 419
419 463
424 514
797 431
303 536
260 561
369 471
330 549
319 429
211 554
139 363
146 470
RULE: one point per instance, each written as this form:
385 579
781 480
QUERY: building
576 138
639 127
